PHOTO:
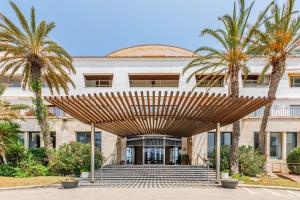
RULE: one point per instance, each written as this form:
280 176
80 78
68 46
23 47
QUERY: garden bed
30 181
268 181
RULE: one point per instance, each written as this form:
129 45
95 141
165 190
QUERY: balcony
254 84
98 80
157 80
278 112
154 83
52 112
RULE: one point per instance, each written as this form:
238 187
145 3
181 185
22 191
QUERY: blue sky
98 27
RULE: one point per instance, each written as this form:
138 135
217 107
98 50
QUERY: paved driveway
205 192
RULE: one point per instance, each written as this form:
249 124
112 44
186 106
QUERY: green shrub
251 161
40 154
7 170
70 159
15 152
225 155
293 160
30 167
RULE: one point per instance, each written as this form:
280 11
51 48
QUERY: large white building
159 68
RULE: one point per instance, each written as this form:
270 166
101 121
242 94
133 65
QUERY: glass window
256 140
275 145
291 142
21 138
295 110
35 139
210 80
252 81
226 139
295 81
85 137
210 143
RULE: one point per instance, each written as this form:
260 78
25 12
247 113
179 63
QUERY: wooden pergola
168 113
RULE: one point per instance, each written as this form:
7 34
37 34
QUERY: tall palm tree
8 113
29 50
234 38
279 39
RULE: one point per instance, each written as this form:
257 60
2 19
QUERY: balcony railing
98 83
253 83
154 83
52 112
278 112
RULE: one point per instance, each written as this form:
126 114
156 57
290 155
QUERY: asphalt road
205 192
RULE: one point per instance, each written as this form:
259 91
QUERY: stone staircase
171 174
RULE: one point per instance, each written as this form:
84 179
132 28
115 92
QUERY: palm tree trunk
234 90
275 79
40 110
2 151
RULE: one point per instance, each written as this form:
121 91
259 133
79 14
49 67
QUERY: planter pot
69 184
224 175
229 183
84 175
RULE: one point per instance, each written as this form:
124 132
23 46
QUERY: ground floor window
275 145
256 140
226 139
291 141
21 138
35 139
85 137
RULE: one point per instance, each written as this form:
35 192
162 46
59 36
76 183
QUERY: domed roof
151 51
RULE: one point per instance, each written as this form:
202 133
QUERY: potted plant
229 183
69 182
84 169
225 174
185 159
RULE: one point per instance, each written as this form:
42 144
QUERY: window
210 143
275 145
291 142
226 139
210 80
21 138
295 110
256 140
157 80
55 111
294 80
98 80
252 81
35 139
85 137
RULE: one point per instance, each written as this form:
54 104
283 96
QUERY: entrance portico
178 114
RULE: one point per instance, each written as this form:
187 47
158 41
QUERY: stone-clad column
283 148
267 145
26 139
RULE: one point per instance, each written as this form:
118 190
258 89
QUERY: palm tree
279 39
29 50
234 38
8 113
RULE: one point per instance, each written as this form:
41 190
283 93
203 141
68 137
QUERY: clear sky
98 27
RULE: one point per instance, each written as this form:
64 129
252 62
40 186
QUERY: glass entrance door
154 155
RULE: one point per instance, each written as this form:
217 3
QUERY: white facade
165 60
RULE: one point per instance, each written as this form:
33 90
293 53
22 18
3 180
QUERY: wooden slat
178 114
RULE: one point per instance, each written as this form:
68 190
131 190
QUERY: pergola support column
218 152
92 152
